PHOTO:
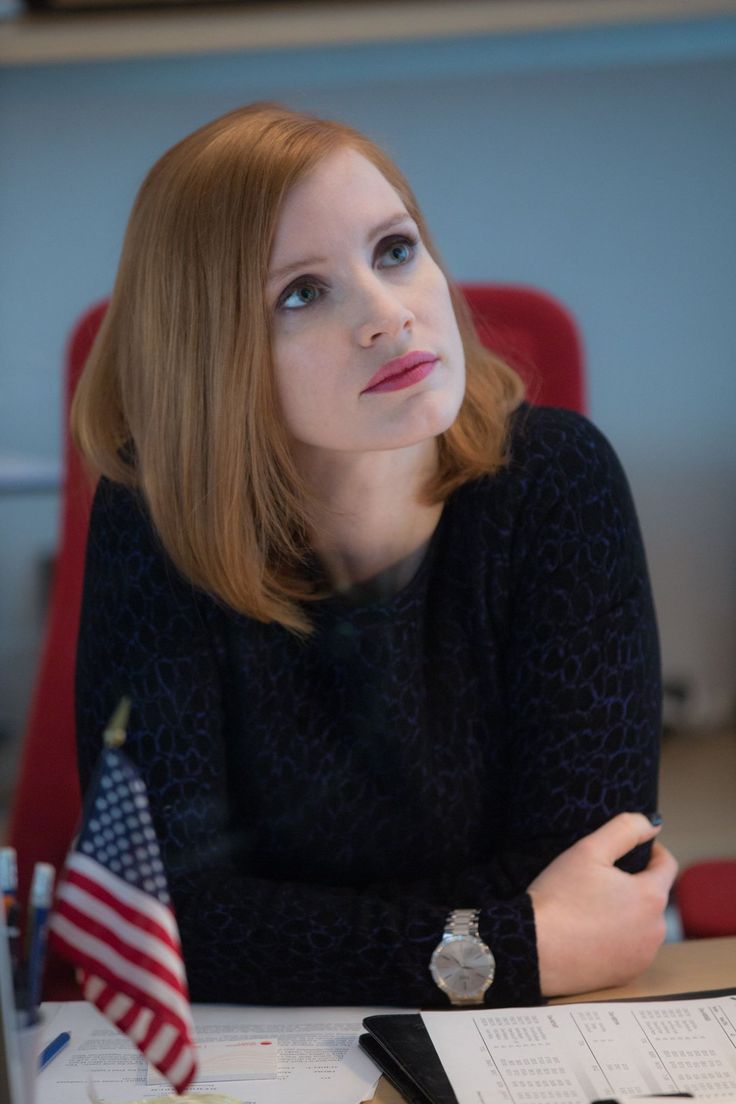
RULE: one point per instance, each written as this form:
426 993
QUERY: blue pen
42 890
55 1047
9 889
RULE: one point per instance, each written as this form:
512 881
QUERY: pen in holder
9 890
42 891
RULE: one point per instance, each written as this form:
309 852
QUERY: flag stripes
131 973
101 919
113 920
130 902
161 1043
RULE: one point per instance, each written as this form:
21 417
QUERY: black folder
403 1051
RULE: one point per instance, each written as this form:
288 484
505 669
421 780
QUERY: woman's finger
620 835
661 869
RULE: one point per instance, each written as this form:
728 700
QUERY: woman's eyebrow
307 262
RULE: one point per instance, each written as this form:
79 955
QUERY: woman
387 630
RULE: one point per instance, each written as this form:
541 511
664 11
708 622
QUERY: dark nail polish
655 819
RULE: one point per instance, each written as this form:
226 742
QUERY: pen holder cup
29 1048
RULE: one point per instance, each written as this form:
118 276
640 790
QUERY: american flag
113 919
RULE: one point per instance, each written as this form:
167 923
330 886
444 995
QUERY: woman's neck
371 526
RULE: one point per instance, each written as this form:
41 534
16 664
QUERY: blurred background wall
598 163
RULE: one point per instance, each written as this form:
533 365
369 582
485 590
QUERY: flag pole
114 734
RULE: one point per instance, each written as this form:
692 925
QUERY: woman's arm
573 622
581 665
581 668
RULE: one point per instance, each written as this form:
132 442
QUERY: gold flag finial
114 734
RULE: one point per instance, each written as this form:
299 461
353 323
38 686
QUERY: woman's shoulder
557 460
119 518
112 498
549 434
551 451
124 549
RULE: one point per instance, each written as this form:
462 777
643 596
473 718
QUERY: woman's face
366 348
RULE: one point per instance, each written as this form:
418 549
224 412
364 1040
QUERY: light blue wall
599 165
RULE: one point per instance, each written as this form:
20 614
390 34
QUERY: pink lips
403 371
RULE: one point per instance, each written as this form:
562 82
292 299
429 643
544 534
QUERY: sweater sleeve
580 664
145 632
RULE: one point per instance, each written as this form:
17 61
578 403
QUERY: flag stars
157 885
120 833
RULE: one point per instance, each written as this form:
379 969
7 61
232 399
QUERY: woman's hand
598 926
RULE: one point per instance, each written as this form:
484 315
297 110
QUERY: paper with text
318 1059
573 1054
230 1057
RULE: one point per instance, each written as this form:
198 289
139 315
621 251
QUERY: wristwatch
462 965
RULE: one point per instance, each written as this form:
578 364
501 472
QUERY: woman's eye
397 252
299 295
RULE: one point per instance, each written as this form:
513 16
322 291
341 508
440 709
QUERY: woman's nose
381 313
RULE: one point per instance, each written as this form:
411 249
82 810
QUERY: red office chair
527 327
46 800
706 899
537 335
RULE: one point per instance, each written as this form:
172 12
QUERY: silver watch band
463 922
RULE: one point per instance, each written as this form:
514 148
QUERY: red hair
178 395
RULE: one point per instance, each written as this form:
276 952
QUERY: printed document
573 1054
256 1055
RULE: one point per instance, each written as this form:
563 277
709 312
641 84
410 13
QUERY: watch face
463 966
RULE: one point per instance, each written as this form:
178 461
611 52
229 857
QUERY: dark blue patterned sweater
323 805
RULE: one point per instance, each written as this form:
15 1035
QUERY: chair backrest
705 894
527 327
46 802
537 335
